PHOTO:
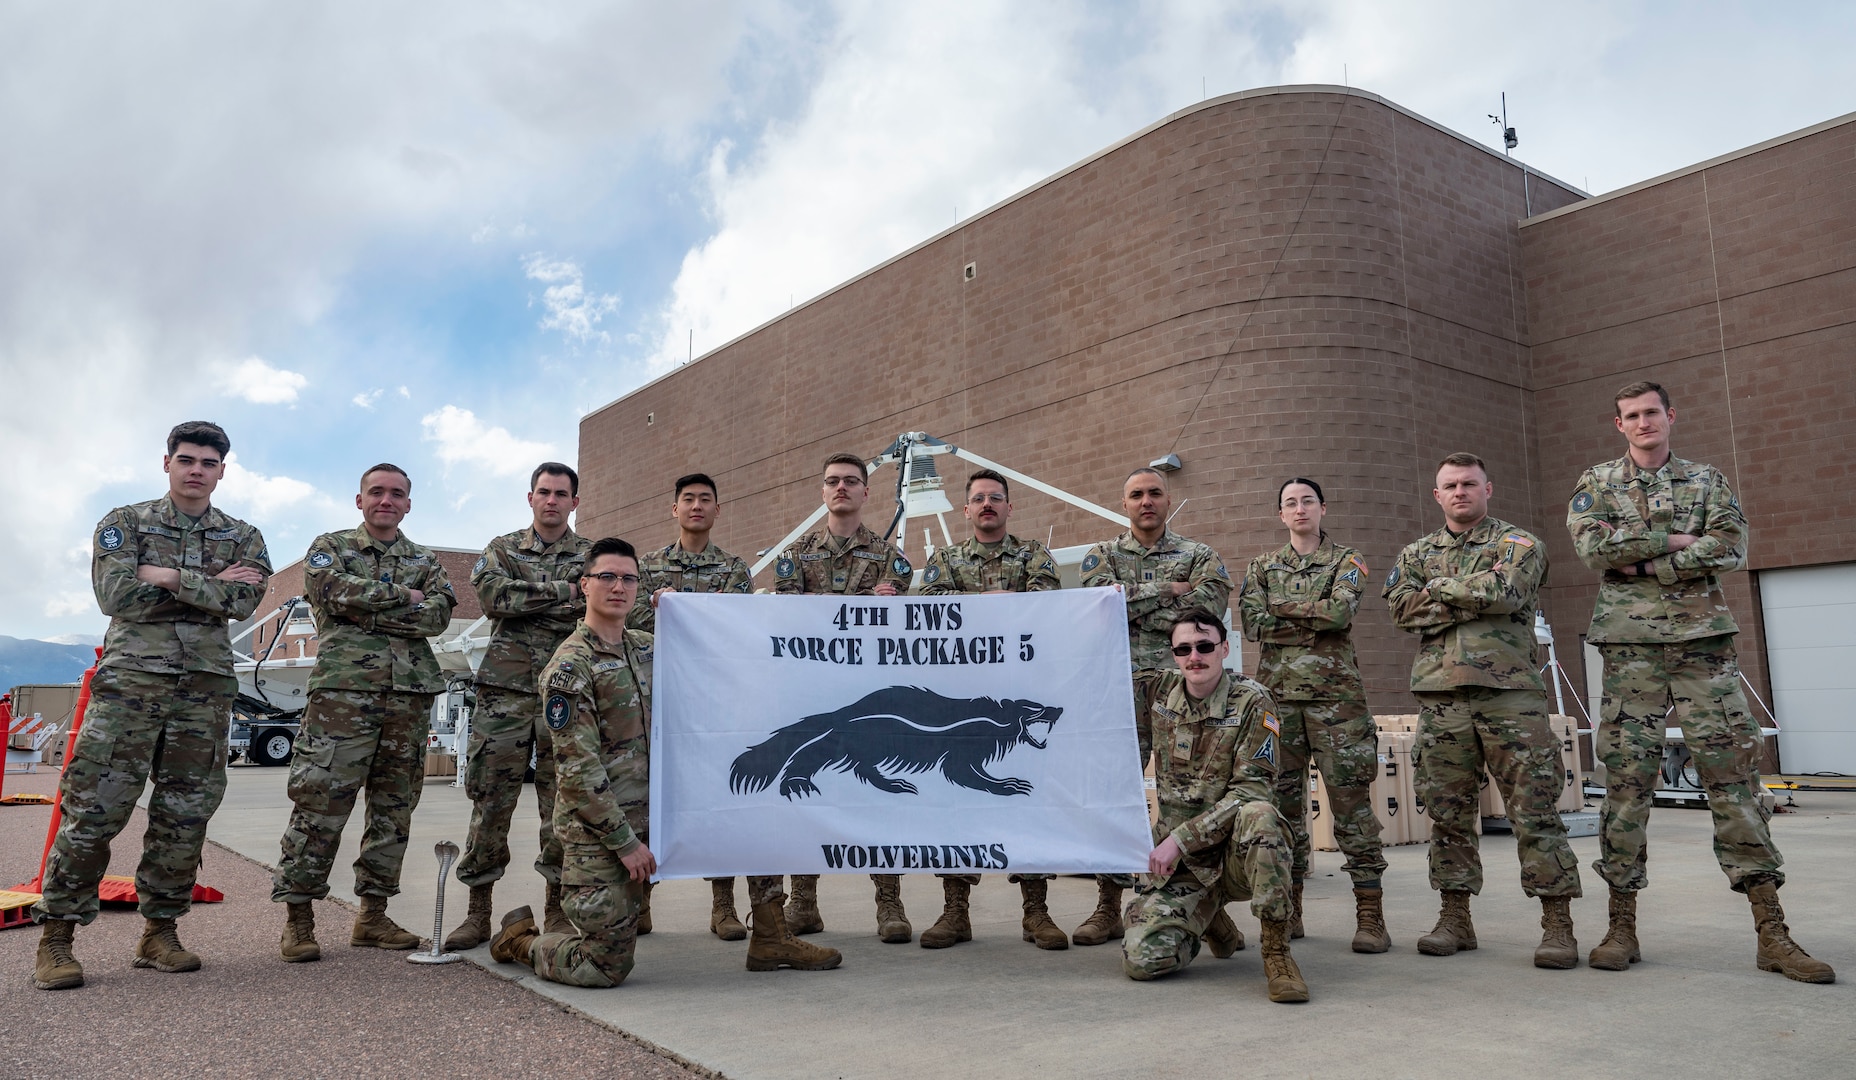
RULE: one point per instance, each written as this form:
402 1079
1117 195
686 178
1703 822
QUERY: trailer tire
272 746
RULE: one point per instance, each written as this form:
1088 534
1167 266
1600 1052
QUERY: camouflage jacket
823 563
598 711
710 570
169 632
369 633
527 586
1143 574
1477 626
1300 609
1621 515
1012 565
1210 758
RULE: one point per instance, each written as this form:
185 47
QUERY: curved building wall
1300 281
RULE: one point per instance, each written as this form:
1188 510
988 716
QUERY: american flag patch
1270 721
1517 538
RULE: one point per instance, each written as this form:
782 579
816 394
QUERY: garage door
1811 650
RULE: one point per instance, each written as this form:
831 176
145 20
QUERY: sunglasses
1203 648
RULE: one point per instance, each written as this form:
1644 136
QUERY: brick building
1306 281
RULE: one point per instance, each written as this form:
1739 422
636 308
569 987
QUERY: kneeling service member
1468 590
529 582
1221 837
1299 602
596 701
169 573
691 563
991 561
848 559
1662 530
377 597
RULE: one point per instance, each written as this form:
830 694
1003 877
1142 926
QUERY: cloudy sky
439 233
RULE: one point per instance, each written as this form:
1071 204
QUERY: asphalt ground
247 1013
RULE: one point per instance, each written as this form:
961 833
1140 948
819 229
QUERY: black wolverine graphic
903 729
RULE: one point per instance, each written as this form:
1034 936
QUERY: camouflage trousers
140 725
1339 737
600 899
352 739
1167 919
1462 732
505 727
1701 680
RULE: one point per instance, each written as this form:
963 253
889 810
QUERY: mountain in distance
25 662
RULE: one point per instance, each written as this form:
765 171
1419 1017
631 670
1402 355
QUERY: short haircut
555 468
200 433
610 545
1150 470
846 459
1638 389
1322 499
995 476
692 479
385 466
1463 459
1203 618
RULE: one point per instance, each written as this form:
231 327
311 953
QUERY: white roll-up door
1810 616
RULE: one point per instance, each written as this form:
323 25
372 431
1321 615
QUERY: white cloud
255 496
462 439
405 393
260 383
366 398
570 308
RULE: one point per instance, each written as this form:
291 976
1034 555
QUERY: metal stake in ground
447 854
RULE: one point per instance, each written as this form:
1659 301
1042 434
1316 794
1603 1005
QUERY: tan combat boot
1295 919
723 922
953 927
644 910
511 943
1619 949
892 923
802 915
373 930
1558 950
160 948
299 940
56 968
1037 925
1223 937
1286 985
553 919
1777 951
475 929
774 947
1104 923
1454 932
1369 918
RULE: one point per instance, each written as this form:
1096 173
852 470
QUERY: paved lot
999 1007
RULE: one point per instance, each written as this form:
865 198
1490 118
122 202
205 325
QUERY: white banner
818 735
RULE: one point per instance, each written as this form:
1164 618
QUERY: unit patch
901 566
1266 752
557 711
109 539
931 575
1091 562
482 561
783 568
321 559
1582 502
1392 578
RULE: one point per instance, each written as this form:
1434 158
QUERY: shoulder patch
558 711
1266 752
109 539
263 555
482 561
1517 538
1582 502
1359 562
321 559
1392 578
901 566
1270 721
1091 561
783 568
931 575
1351 577
1221 572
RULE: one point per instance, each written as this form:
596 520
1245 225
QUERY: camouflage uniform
1300 609
1143 573
528 586
1668 639
1215 766
1011 565
598 711
1483 701
370 706
822 563
710 570
159 704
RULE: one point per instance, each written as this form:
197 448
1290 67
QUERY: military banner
834 734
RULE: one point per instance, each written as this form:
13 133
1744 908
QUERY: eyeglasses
986 497
608 578
847 481
1203 648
